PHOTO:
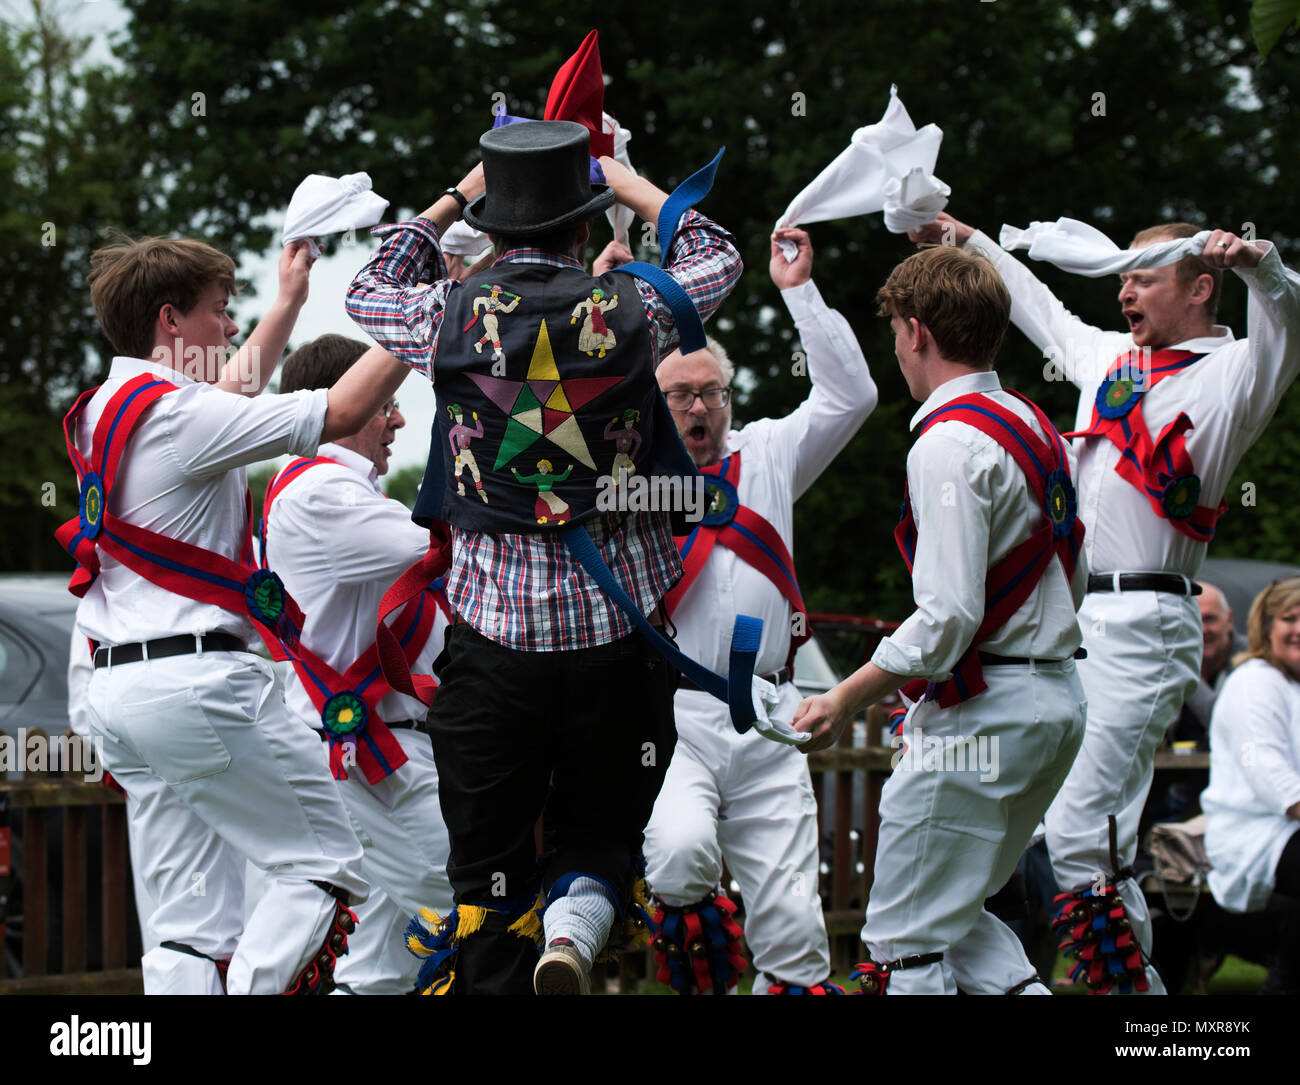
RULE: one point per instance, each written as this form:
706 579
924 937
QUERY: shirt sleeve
1070 346
842 394
399 297
1273 340
1268 751
705 263
211 431
358 536
952 501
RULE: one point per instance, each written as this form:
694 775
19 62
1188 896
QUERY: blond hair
1276 599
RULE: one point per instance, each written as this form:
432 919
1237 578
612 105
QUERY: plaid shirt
526 591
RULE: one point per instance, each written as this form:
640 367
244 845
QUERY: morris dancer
727 796
339 544
1166 412
194 727
990 536
544 683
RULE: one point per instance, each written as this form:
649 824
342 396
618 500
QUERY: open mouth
698 433
1135 320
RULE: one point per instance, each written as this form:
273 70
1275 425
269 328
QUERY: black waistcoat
545 385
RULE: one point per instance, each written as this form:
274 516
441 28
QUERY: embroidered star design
542 405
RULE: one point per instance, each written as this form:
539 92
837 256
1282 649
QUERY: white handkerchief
331 205
913 200
1076 247
463 240
620 217
855 183
766 700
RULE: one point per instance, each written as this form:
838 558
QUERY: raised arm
842 393
399 296
1070 346
702 257
247 371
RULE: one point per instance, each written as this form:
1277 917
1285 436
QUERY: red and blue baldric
1010 582
746 534
181 568
347 700
1161 469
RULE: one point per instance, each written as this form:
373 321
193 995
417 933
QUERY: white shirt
183 476
1254 780
1230 395
779 459
973 505
338 544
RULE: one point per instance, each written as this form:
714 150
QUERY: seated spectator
1253 801
1222 644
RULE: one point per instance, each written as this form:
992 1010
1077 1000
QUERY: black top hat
538 179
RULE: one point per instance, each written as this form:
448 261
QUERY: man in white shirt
339 544
991 537
194 726
728 796
1141 624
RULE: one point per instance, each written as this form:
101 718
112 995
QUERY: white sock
584 915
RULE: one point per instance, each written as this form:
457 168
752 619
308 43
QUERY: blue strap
735 690
683 198
690 328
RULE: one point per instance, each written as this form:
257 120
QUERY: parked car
37 615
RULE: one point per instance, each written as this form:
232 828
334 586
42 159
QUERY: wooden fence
858 772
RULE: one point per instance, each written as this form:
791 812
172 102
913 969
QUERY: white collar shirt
182 476
973 505
780 459
1230 395
338 544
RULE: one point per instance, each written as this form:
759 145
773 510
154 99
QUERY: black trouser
594 726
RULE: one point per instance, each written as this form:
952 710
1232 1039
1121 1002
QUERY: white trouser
399 823
960 807
750 801
1144 658
217 770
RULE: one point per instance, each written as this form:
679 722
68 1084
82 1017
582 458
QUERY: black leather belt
988 659
1170 582
182 644
777 678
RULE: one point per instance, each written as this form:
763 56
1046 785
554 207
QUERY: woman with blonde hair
1252 805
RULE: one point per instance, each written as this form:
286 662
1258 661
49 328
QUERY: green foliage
1120 114
1269 20
404 485
66 168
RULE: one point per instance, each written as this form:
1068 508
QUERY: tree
66 163
1049 108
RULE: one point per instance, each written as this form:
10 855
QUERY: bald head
1216 630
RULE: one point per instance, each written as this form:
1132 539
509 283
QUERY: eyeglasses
389 407
714 398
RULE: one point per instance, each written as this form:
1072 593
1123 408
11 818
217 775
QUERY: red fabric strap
1011 581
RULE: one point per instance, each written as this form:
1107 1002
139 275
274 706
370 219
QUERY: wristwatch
456 195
